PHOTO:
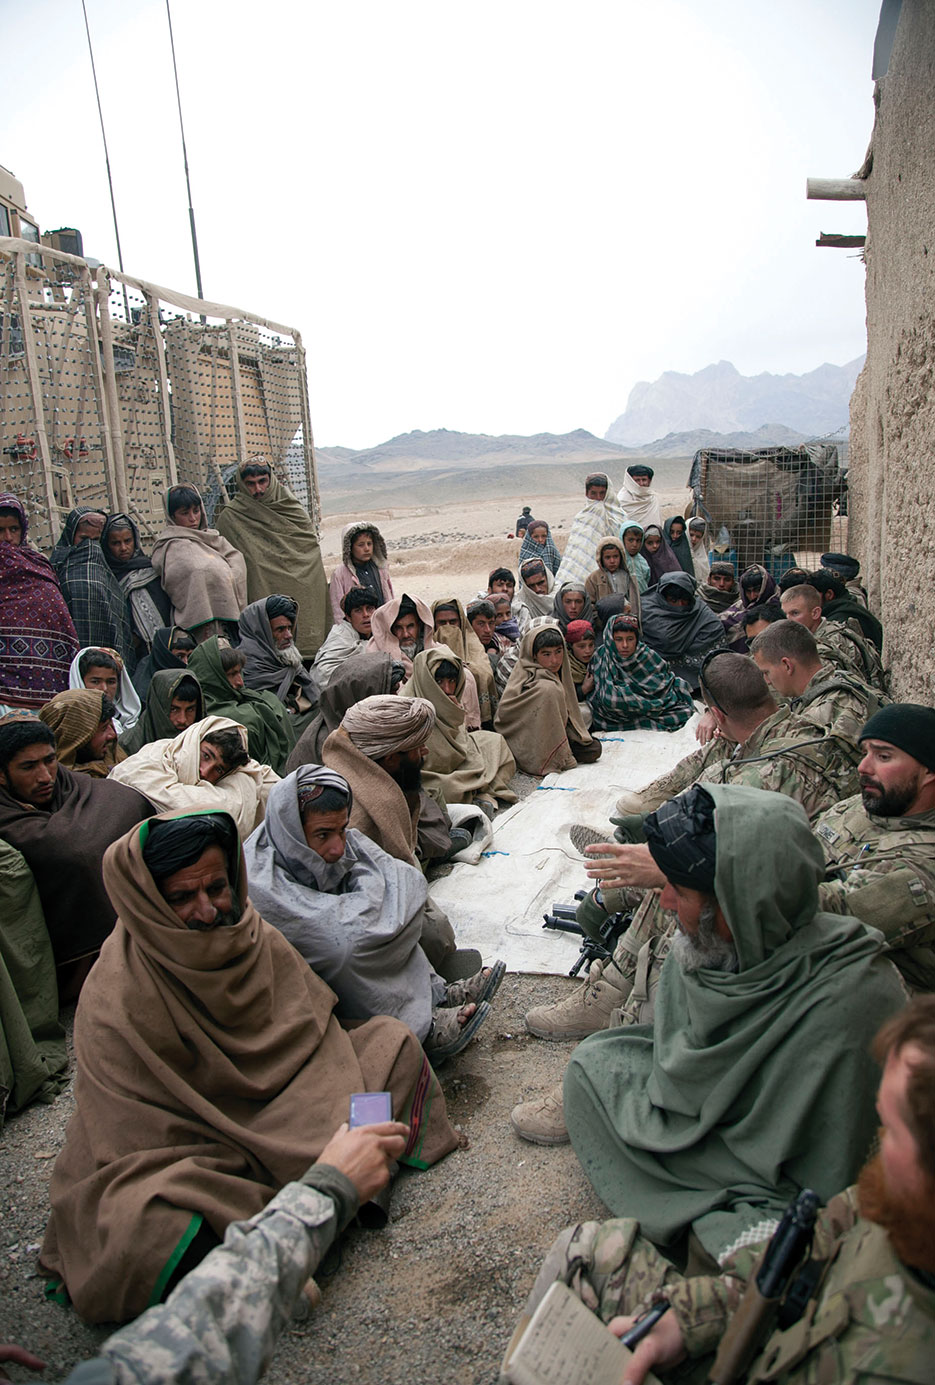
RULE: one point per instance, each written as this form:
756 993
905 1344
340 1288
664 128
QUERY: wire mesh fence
112 389
781 507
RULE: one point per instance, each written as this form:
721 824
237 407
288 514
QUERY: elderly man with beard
212 1070
273 662
753 1081
879 845
870 1314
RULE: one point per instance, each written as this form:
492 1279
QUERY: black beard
223 920
886 803
408 776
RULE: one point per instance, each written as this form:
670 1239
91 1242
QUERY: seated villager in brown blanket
85 735
203 575
375 675
370 674
62 823
403 628
538 713
464 766
453 629
211 1071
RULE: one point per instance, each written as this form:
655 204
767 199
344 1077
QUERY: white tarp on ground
497 906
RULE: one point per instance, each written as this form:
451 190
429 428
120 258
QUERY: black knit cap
907 725
638 469
841 563
682 840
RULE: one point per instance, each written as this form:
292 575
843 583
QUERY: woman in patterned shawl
95 597
634 688
37 634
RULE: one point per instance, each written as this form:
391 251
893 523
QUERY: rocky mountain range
443 447
666 421
721 400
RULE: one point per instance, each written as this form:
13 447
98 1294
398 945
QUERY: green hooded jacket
270 737
749 1085
154 724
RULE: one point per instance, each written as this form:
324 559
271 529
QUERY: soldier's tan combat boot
586 1012
541 1121
629 802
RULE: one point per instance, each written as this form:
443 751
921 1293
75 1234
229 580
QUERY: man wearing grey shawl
274 664
355 914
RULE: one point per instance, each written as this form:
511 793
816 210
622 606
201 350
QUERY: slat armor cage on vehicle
112 389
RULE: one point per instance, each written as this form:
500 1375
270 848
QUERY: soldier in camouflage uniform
871 1315
880 863
879 845
223 1320
751 749
838 644
799 750
818 694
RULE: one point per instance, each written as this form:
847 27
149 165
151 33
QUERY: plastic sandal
447 1037
478 987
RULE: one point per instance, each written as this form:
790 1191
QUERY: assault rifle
563 919
773 1291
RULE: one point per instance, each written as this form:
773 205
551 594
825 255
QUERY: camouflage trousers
640 951
614 1271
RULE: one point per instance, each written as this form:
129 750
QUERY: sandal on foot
447 1037
483 985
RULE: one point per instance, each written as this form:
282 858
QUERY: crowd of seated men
222 780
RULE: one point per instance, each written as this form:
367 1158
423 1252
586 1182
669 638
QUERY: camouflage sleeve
704 1304
894 898
223 1320
685 773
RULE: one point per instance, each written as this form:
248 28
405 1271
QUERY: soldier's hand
707 729
661 1349
619 864
365 1154
20 1357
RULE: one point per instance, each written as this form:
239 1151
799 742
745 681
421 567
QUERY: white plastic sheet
497 906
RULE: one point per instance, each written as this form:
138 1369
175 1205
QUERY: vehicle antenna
110 180
191 210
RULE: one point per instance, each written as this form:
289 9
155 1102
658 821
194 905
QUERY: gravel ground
433 1296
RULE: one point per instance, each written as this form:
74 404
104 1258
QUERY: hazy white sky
493 216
